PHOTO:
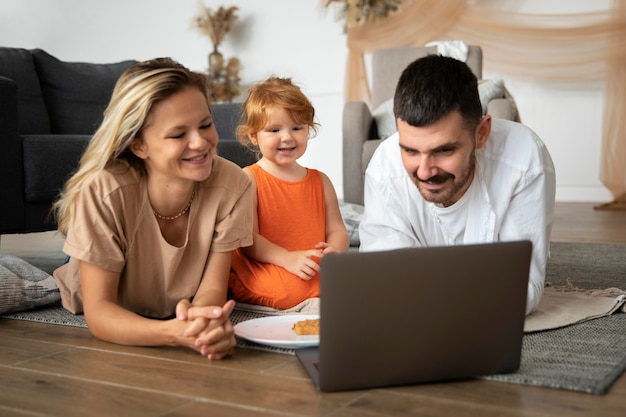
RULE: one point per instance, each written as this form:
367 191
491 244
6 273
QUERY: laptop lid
419 315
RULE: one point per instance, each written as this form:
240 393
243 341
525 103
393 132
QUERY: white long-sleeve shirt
511 198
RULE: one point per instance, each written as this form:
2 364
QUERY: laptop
419 315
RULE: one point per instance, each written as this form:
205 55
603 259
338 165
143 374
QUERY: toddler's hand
303 263
326 248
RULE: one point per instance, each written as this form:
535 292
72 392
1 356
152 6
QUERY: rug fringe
599 292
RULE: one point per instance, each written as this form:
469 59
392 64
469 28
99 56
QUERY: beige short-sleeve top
114 228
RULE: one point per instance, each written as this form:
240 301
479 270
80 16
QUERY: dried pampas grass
215 24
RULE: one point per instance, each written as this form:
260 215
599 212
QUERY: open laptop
419 315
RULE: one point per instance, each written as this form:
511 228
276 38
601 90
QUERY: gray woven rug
588 266
586 357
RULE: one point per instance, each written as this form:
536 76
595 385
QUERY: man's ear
138 148
483 131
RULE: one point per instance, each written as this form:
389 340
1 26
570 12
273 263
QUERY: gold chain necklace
185 210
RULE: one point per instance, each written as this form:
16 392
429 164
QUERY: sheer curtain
564 48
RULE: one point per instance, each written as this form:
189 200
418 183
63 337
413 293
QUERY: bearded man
452 175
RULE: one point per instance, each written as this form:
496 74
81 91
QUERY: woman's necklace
185 210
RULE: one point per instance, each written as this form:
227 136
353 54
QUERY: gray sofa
48 111
363 123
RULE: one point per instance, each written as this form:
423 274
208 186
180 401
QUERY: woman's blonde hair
137 90
274 92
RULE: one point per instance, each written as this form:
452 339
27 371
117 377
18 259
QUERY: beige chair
361 134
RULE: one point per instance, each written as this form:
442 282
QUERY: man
452 175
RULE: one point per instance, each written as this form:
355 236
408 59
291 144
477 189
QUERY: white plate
276 331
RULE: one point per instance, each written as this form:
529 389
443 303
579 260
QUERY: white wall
298 39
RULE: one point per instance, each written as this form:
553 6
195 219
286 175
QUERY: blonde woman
152 216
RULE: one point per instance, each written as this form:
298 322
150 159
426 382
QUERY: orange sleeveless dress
293 216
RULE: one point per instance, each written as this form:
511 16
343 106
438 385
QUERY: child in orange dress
297 217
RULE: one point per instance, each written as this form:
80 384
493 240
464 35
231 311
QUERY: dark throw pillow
76 93
18 65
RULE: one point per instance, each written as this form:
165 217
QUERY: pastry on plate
308 326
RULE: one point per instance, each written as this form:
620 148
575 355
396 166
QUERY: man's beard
448 195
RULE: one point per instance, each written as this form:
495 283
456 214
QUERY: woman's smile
199 159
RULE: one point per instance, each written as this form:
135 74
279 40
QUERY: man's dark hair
432 87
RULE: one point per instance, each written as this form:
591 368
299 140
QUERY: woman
152 216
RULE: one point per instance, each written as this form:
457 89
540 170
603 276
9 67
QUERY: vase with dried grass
215 25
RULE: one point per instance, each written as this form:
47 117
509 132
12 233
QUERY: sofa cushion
48 163
489 90
18 65
226 117
234 151
76 93
385 119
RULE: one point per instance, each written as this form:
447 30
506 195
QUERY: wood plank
52 394
579 222
15 350
531 400
210 381
204 409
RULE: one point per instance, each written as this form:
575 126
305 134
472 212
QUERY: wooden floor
50 370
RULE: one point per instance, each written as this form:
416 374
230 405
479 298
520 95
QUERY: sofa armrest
11 161
358 128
